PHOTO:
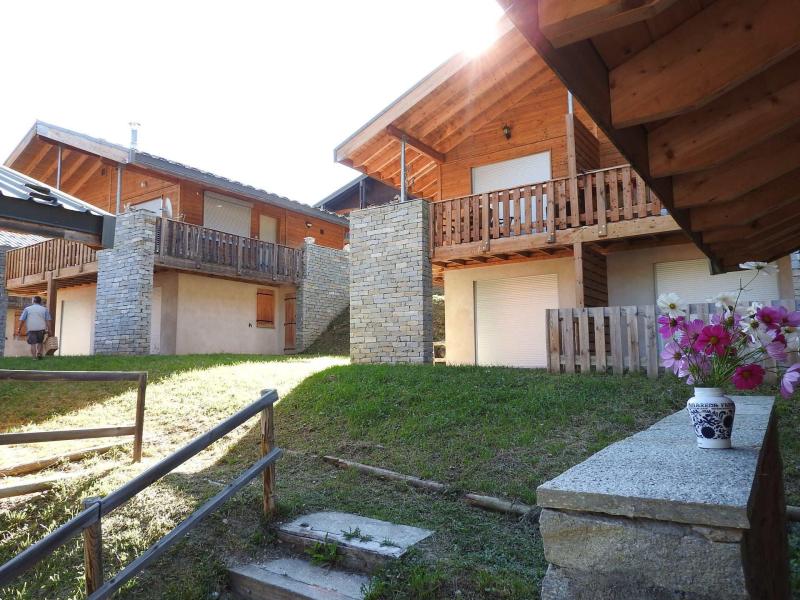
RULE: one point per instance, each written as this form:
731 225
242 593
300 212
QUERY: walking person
38 321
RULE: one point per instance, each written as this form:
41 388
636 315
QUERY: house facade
527 205
200 263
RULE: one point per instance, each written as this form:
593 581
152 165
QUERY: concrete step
295 579
362 544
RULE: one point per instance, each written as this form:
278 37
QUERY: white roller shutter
693 282
510 173
510 320
226 214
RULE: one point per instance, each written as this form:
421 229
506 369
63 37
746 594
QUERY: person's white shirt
35 317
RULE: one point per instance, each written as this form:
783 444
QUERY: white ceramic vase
712 414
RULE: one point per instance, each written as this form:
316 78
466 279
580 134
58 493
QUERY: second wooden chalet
200 263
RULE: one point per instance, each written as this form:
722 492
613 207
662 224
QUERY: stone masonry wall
323 293
125 287
3 299
390 284
796 274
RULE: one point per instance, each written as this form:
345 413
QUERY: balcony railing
51 255
209 250
595 198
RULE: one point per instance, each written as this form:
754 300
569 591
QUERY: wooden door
289 323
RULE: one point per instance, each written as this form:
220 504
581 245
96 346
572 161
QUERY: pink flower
713 339
669 325
672 356
769 317
776 349
748 377
789 319
790 380
727 319
690 331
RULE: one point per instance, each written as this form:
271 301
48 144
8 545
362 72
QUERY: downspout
58 168
569 102
403 169
119 188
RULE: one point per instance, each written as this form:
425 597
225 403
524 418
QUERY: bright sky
260 92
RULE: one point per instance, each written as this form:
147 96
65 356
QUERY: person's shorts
35 337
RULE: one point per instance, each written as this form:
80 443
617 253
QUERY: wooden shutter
23 328
265 308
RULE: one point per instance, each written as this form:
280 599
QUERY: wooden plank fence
615 339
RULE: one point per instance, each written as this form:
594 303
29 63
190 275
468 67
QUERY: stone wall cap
660 473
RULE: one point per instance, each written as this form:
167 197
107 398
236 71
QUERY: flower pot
712 415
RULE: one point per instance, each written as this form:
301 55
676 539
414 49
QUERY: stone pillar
390 284
125 287
3 299
323 293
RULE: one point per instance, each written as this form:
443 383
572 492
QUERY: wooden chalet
207 226
533 204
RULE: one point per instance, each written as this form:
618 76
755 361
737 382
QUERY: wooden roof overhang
703 99
443 110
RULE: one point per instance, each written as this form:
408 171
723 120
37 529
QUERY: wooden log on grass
479 500
39 485
43 463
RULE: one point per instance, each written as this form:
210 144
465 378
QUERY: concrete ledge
660 473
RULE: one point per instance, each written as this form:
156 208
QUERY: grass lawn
492 430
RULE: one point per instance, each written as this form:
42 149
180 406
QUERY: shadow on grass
23 403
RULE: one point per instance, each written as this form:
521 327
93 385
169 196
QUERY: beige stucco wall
460 300
14 346
631 274
217 315
75 314
168 282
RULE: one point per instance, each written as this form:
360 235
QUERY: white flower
767 268
724 299
671 304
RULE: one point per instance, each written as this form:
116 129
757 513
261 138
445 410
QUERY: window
226 214
509 173
265 308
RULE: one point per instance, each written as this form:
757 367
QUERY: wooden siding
587 148
595 278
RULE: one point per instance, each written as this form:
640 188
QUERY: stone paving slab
660 473
294 579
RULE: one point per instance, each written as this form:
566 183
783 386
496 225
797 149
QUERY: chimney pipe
134 134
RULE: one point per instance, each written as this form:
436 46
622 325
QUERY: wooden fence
595 198
614 339
136 430
89 520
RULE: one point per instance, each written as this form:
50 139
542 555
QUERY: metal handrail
95 510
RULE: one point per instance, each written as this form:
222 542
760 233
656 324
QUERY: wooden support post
162 249
267 443
139 424
52 292
93 550
577 253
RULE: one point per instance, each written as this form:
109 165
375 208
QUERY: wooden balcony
545 219
189 247
28 268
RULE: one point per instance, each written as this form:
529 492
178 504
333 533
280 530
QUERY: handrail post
93 549
139 423
162 249
485 235
267 443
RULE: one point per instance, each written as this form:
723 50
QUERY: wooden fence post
139 423
93 550
267 443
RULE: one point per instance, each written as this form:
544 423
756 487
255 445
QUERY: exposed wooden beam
414 142
704 57
82 179
565 22
757 166
21 147
750 206
72 169
37 159
751 113
53 166
770 221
